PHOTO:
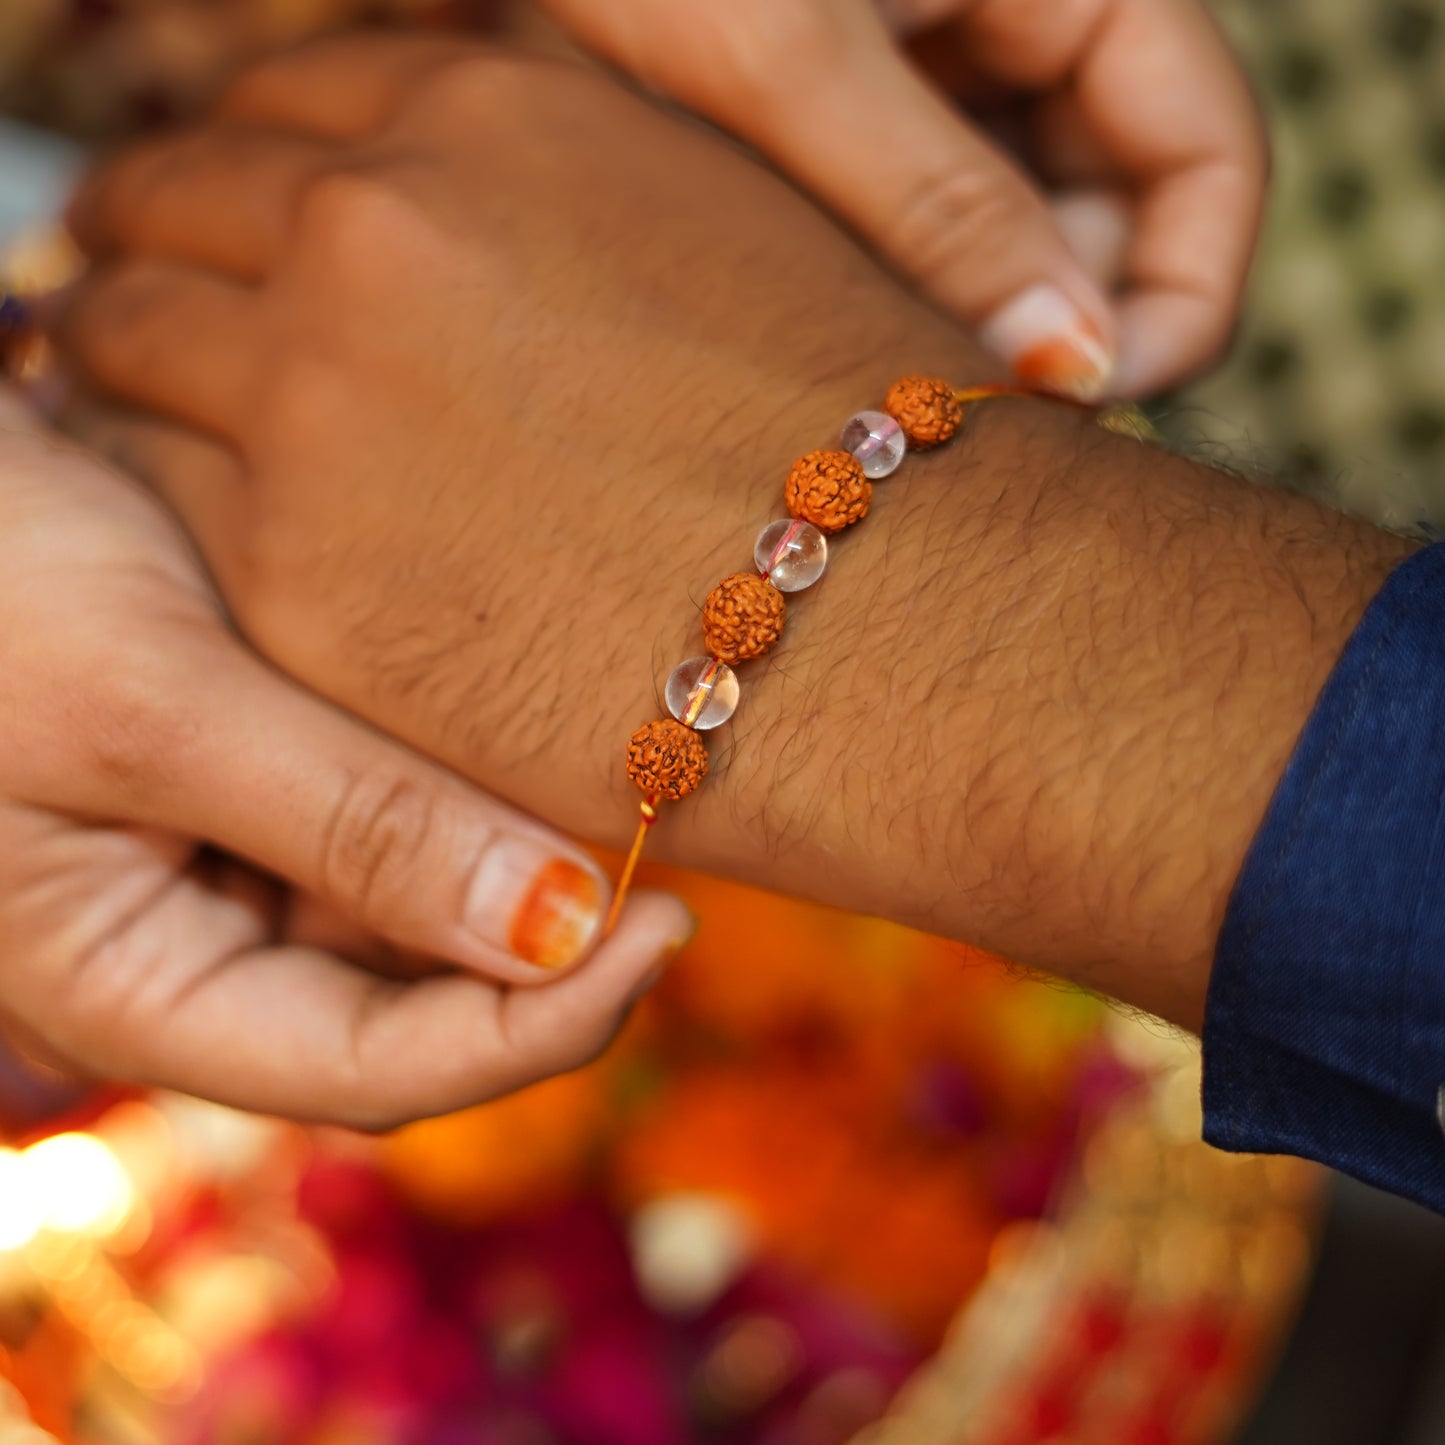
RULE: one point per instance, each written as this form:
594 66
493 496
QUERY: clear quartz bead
791 554
877 441
702 692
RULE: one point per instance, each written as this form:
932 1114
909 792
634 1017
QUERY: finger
340 88
199 479
222 197
1097 224
182 341
930 192
1187 266
210 742
293 1031
311 923
1149 93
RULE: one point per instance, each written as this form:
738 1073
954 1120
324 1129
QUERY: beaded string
826 491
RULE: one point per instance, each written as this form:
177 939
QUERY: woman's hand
137 731
1135 133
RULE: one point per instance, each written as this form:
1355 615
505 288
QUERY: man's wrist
1044 699
1156 635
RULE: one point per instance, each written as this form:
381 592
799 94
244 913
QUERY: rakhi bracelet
826 491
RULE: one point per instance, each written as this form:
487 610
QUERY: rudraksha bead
742 617
667 759
828 489
926 408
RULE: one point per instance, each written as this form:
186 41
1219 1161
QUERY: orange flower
505 1156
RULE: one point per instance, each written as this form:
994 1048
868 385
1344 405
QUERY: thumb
843 111
400 845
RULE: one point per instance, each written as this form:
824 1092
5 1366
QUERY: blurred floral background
837 1184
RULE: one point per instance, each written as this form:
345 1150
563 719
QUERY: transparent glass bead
791 553
877 441
702 692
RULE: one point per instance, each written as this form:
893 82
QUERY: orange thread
634 856
701 692
1007 388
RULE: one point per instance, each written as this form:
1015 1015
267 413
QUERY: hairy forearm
1042 701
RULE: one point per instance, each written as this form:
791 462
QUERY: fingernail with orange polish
542 908
1050 343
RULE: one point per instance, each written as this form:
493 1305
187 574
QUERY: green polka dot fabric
1336 382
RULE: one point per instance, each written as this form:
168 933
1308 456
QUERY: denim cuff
1324 1031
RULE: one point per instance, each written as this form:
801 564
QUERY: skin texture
1131 183
471 373
141 739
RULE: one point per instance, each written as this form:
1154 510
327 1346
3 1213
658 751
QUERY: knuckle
966 214
108 321
355 227
373 847
130 733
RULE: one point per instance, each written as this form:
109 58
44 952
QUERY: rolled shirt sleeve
1324 1032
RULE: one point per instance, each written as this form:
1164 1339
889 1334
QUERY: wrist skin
1041 698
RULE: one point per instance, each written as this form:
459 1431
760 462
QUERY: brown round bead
926 408
742 617
828 489
666 758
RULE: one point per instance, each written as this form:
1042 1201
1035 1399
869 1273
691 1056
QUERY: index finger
1165 105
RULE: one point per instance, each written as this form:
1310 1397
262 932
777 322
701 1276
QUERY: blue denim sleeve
1324 1033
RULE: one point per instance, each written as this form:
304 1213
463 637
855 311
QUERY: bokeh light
77 1184
20 1214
